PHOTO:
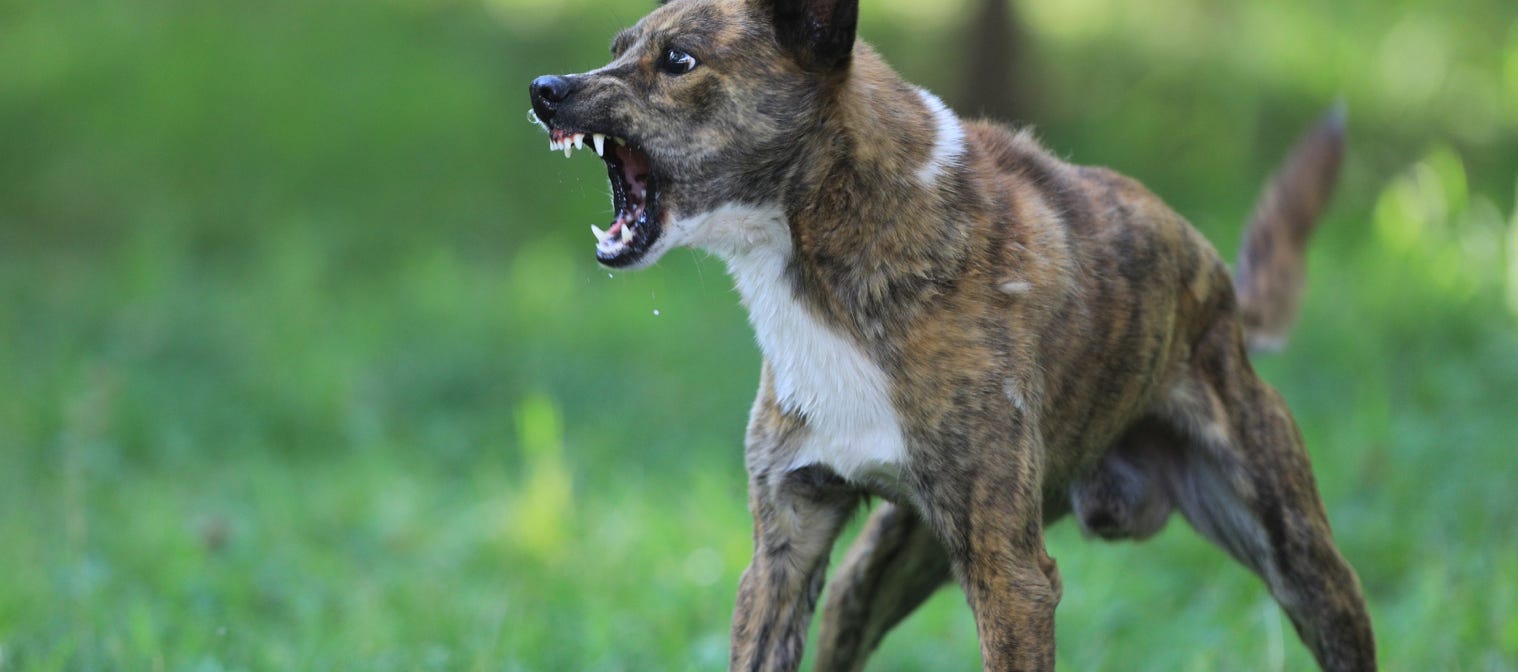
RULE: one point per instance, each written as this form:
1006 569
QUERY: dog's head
704 104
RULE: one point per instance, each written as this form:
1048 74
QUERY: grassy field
305 362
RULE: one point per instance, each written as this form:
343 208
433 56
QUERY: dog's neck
871 223
878 203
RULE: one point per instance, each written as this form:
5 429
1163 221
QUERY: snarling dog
957 322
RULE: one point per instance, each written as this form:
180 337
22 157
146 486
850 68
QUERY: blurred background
305 362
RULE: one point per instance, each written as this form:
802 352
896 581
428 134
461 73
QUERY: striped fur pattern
958 322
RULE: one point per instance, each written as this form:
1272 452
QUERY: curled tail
1271 266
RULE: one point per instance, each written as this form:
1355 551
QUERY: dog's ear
818 33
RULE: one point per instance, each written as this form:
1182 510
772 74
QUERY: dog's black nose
547 92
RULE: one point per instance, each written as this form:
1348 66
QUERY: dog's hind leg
894 565
1244 482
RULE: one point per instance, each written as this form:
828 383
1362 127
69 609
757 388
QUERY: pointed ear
818 33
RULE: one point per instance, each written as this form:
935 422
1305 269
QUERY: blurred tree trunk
998 82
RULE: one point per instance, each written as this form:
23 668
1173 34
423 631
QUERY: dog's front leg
797 517
984 498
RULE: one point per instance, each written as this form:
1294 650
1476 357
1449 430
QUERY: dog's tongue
621 223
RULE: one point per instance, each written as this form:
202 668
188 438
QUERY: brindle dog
958 322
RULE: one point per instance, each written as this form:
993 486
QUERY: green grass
304 362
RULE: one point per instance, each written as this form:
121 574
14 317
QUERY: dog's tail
1271 266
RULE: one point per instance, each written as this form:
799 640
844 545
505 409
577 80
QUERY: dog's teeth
600 235
568 148
599 141
579 141
553 145
627 234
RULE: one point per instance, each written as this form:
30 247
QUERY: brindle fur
1054 337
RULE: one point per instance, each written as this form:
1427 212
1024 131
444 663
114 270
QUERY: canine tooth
568 148
579 141
599 141
627 234
600 235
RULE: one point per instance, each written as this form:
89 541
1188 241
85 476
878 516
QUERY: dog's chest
818 372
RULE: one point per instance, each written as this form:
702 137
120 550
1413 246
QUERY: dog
958 323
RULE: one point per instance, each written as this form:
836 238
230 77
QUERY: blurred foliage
305 362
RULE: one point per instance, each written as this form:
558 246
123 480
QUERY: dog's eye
676 62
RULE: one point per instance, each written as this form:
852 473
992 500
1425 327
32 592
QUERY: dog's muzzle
635 192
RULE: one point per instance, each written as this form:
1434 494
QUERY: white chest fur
819 373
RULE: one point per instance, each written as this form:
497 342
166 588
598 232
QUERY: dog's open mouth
634 195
